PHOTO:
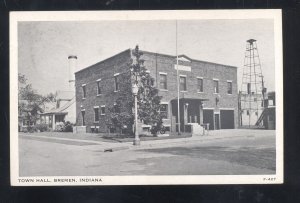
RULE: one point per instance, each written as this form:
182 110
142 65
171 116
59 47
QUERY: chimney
72 66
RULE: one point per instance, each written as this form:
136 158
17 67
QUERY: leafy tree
30 103
122 113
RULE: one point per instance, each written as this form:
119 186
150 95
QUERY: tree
30 103
122 113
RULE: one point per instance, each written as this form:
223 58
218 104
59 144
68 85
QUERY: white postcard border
16 17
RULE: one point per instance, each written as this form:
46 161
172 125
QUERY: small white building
65 110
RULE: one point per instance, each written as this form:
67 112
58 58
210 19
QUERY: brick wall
155 63
105 71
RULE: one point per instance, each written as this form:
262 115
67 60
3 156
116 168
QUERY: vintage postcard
146 97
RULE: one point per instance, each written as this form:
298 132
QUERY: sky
44 47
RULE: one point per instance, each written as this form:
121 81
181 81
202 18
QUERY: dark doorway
208 117
217 121
189 112
227 119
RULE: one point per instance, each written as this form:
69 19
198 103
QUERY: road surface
252 154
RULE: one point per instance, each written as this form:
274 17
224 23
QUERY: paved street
248 152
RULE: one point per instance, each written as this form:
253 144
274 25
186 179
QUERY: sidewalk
110 146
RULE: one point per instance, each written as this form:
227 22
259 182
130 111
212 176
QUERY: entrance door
208 117
217 121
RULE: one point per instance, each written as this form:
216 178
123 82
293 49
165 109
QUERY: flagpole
178 106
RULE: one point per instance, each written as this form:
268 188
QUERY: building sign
182 67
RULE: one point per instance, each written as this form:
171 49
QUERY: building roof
61 109
185 56
103 60
155 53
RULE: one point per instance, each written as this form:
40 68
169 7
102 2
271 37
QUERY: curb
176 142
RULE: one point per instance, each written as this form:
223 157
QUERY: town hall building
208 91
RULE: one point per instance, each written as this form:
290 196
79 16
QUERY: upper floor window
182 81
84 91
103 110
117 82
150 80
163 81
229 87
164 111
200 84
116 108
96 113
99 87
216 86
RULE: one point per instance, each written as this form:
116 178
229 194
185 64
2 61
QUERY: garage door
227 119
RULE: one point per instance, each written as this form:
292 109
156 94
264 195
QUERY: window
98 87
83 117
150 82
117 83
164 111
103 110
182 81
163 81
84 91
229 87
96 114
200 84
216 86
116 108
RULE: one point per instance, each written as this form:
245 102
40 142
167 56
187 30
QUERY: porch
51 119
191 115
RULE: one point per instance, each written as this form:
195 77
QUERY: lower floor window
96 114
164 111
83 117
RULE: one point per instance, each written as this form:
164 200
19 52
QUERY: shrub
68 127
42 127
31 129
59 127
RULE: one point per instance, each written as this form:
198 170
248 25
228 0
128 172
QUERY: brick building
208 91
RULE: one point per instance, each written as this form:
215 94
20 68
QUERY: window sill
183 91
102 114
83 98
98 95
200 92
116 90
229 94
163 90
216 93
